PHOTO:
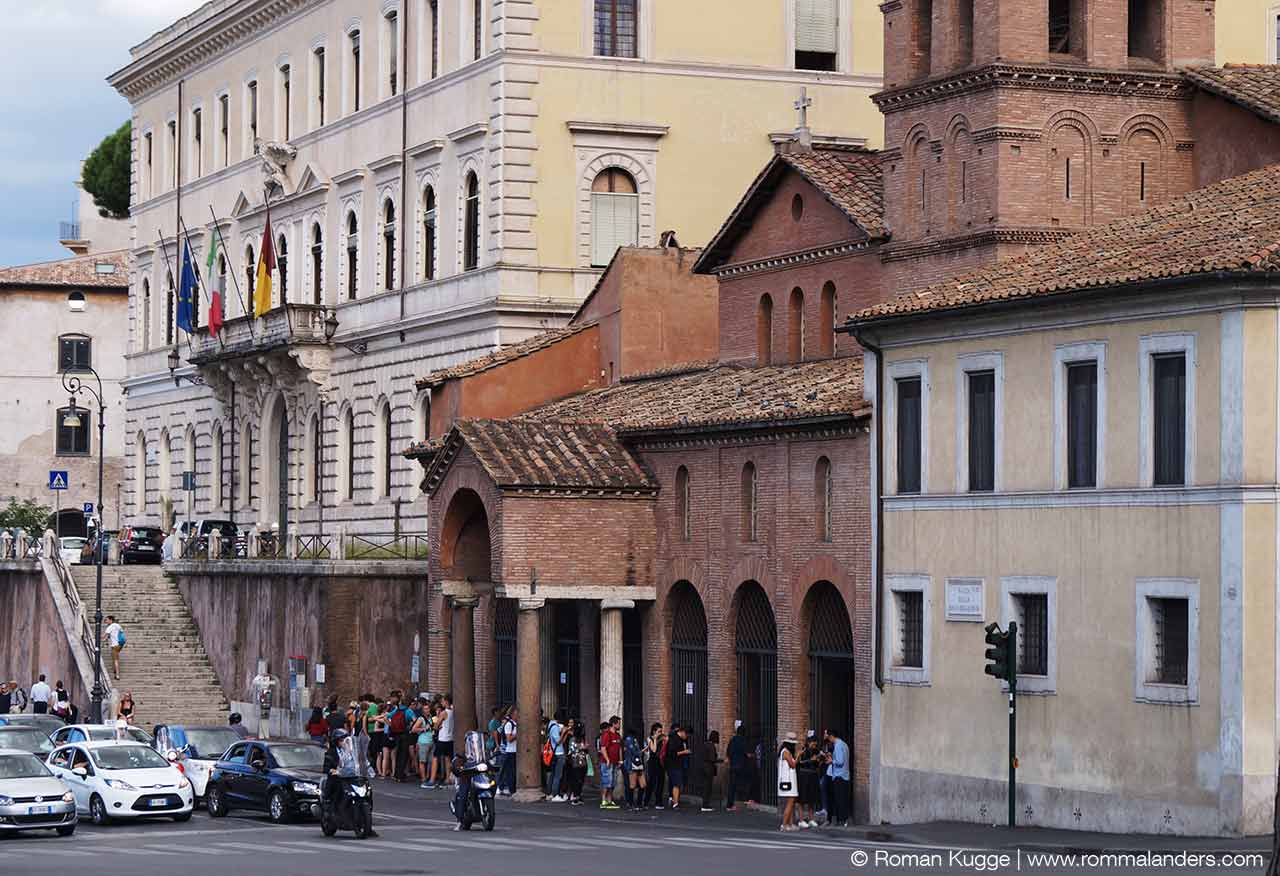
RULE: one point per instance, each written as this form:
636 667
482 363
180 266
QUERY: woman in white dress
788 786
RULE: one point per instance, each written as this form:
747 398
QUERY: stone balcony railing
301 324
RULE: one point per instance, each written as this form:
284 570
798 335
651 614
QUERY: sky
56 106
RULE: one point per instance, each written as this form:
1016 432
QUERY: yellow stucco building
1247 31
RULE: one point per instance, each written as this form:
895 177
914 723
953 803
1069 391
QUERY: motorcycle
479 805
350 809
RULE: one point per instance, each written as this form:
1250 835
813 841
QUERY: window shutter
615 222
816 22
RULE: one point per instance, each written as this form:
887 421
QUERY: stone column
463 662
528 697
611 656
547 660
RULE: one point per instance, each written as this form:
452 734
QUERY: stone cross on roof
803 136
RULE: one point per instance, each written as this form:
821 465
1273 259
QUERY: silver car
31 797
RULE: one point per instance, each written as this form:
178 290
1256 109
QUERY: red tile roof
1255 87
530 454
540 341
1232 226
719 395
103 270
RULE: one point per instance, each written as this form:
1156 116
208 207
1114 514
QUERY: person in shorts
678 757
425 728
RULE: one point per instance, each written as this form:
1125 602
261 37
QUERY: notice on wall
564 678
688 688
319 673
964 600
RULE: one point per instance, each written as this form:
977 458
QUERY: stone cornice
788 260
1029 236
1077 80
1017 135
831 427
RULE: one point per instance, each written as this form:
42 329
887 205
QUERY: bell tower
1013 123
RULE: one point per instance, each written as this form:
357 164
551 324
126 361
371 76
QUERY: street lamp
174 362
330 329
72 383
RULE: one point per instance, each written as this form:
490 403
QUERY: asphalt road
415 837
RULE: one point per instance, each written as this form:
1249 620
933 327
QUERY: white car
194 750
96 733
69 547
31 798
113 780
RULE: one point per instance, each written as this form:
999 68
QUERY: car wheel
182 816
98 811
277 808
215 802
67 831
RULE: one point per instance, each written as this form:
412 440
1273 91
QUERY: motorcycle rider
464 765
339 764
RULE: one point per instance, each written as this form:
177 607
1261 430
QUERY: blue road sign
57 480
88 507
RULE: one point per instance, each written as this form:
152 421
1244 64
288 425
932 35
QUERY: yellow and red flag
266 264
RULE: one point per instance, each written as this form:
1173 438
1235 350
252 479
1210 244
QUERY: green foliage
106 173
29 515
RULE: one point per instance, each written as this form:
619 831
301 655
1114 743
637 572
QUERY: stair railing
80 632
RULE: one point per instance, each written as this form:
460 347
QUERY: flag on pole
266 264
187 290
216 290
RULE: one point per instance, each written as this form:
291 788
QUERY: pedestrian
838 773
424 732
710 757
444 737
493 730
236 723
679 756
634 756
317 726
555 739
169 547
18 698
6 698
575 760
398 723
336 716
787 787
40 693
113 635
808 770
655 779
610 761
360 733
125 709
510 734
736 753
377 724
60 704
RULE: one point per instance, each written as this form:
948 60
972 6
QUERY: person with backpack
655 749
114 636
678 758
575 768
507 773
633 767
398 721
555 748
737 755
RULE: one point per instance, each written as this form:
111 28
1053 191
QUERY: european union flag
187 290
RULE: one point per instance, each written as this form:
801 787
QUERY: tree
28 515
106 173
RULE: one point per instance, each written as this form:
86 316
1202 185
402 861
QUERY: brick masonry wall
577 540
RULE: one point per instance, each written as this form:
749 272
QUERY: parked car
45 723
111 780
279 778
69 733
69 547
195 750
26 738
195 535
32 797
141 544
98 548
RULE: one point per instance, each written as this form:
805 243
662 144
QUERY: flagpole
234 278
200 282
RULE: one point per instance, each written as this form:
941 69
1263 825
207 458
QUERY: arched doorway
689 664
275 466
464 538
830 661
504 641
756 646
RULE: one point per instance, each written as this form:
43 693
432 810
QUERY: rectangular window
982 431
909 435
1060 26
435 38
224 127
319 86
1082 424
355 71
74 354
73 440
615 28
197 145
910 628
477 20
173 153
149 153
393 51
285 105
1170 622
615 222
817 29
253 117
1032 610
1169 393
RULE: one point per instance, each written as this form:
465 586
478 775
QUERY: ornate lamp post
330 329
72 383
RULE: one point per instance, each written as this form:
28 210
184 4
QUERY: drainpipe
404 150
879 482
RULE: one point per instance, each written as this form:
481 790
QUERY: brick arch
683 569
1076 210
1149 122
753 569
959 124
1072 117
822 568
474 480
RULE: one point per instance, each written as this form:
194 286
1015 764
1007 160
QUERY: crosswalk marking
331 846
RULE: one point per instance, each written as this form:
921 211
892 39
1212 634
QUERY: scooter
353 809
479 805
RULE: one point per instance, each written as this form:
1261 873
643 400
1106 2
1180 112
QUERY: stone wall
357 618
32 640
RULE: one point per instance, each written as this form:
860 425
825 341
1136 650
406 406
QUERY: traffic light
998 662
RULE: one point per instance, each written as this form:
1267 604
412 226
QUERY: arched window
822 498
429 233
424 417
140 474
222 286
749 503
827 320
388 246
146 314
385 448
348 455
189 450
282 266
1069 174
471 225
315 484
795 326
615 214
250 274
166 465
75 302
215 467
764 331
317 265
353 256
170 300
246 467
682 503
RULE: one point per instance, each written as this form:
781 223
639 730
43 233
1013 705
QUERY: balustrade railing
268 545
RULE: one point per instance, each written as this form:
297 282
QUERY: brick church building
666 510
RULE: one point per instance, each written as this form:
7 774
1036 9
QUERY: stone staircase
163 663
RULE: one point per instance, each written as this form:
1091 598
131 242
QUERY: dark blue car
279 778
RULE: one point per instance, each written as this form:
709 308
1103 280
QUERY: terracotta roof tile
719 395
850 178
1232 226
508 353
1256 87
542 454
82 271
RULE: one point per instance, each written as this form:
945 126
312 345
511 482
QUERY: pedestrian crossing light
999 660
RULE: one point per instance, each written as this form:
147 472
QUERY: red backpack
398 722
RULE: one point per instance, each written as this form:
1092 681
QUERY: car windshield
25 739
298 756
22 766
128 757
103 734
73 543
223 526
210 743
47 724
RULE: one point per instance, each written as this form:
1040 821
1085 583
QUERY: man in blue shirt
555 735
838 774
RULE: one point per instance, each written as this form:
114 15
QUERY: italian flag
215 302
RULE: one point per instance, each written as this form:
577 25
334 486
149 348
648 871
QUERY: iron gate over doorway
756 644
632 672
689 668
830 663
504 643
567 662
